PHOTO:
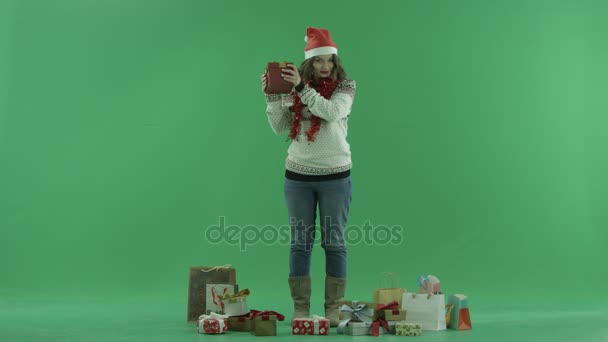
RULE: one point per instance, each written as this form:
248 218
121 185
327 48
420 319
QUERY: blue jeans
333 198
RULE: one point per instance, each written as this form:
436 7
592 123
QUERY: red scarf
326 89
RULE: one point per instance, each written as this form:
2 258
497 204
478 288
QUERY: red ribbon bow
266 315
376 326
242 318
394 306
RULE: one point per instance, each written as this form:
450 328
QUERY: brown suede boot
334 293
300 293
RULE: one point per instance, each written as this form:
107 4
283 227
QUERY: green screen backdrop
129 128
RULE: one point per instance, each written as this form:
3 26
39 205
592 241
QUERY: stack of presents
217 305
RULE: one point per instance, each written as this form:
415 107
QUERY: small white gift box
212 324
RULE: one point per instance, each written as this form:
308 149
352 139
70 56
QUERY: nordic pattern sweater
329 153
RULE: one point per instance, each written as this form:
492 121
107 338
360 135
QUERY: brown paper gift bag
200 276
388 291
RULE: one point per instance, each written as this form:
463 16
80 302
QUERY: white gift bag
426 310
235 306
214 296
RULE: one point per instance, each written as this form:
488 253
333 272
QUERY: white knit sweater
329 152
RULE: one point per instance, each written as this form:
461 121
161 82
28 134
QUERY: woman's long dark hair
306 69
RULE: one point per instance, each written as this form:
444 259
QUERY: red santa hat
318 42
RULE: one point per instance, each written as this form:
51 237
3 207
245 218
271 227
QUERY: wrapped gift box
316 325
212 324
356 328
264 323
408 329
381 327
368 310
240 323
355 317
276 84
429 284
235 304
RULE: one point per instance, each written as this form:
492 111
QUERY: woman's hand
291 74
264 82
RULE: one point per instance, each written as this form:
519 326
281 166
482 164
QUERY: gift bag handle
384 278
214 268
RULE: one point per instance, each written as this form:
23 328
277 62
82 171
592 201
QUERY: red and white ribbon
315 320
212 316
311 325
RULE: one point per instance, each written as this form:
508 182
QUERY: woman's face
322 66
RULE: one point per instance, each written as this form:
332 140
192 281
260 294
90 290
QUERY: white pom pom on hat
318 42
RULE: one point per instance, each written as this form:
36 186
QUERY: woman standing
318 166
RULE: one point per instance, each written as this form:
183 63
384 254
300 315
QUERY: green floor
153 319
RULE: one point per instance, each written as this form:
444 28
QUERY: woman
318 166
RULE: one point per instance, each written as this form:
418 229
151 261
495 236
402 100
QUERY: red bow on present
242 318
376 326
266 315
394 306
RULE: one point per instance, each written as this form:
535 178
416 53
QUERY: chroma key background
128 128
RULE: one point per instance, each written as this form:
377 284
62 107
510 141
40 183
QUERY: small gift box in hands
276 83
